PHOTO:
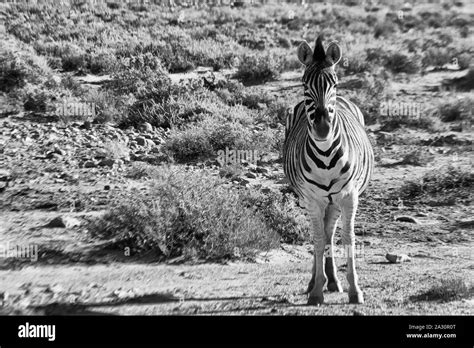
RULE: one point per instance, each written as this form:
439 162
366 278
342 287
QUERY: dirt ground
75 275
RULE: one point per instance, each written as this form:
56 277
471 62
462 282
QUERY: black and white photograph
237 158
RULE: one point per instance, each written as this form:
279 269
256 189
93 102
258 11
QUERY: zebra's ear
305 53
333 53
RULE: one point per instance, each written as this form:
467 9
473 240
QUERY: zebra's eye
331 109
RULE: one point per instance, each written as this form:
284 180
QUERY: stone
107 162
63 222
145 127
394 258
250 175
141 141
86 125
405 218
4 175
89 164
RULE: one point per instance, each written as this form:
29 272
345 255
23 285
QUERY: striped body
328 159
321 171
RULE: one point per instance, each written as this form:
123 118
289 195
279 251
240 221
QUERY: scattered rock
250 175
4 175
107 187
261 170
89 164
393 258
107 162
63 222
241 181
449 139
145 127
385 137
3 298
406 218
56 288
86 125
142 141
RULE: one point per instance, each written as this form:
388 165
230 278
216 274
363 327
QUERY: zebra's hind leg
311 282
319 278
349 208
333 212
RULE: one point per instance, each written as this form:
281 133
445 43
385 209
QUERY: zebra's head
320 82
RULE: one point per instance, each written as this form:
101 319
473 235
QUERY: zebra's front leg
333 212
349 209
318 277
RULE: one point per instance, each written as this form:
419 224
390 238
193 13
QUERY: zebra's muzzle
321 129
321 124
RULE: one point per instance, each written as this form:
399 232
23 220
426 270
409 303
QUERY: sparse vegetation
416 158
450 289
455 109
256 68
441 181
402 63
193 215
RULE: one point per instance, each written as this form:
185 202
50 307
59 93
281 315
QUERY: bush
19 67
139 170
384 29
449 289
436 56
101 62
281 214
370 98
138 74
355 63
13 72
176 110
401 63
464 83
416 158
235 93
206 138
455 109
254 69
193 215
39 100
439 181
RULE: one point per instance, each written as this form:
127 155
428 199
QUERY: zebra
328 160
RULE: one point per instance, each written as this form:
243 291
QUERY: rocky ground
57 176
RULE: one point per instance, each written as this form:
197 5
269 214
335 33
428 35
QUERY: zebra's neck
327 146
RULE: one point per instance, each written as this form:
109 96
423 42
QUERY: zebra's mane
316 68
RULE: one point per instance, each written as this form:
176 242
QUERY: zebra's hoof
315 300
335 287
356 298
